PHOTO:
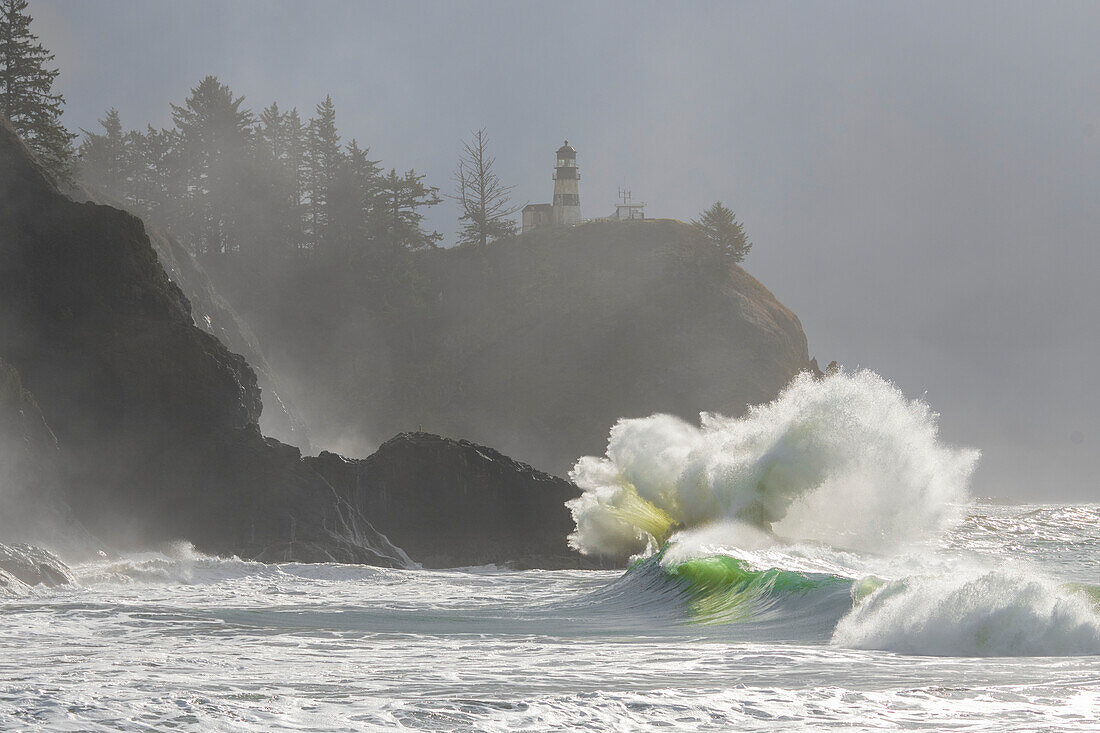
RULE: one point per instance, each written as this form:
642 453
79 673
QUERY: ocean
816 563
994 626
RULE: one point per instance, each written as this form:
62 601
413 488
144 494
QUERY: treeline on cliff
226 180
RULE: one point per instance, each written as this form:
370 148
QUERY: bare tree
485 201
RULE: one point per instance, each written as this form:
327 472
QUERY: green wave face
720 589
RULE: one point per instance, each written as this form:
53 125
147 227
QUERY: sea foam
846 460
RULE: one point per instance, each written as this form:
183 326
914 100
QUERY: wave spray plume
847 460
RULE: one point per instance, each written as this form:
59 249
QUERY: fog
919 181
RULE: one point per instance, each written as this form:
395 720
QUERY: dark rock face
32 505
214 315
156 420
452 503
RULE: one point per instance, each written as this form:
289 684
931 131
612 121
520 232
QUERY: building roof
537 207
567 148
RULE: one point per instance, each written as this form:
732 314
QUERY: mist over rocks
156 422
32 505
213 314
155 419
534 344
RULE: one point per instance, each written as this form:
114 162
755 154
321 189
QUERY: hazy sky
920 180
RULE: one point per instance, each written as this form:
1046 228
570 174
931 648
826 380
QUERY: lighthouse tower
567 198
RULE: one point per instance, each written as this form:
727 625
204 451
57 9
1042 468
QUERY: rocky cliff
156 419
148 427
213 314
535 345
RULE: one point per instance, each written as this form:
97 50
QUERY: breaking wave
846 460
993 613
782 520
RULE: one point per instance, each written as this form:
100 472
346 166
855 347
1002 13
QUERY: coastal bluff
535 344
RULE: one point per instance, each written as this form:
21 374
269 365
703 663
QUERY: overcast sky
920 180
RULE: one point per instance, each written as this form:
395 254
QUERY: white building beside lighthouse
566 209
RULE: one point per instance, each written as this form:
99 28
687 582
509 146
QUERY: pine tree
215 136
281 142
484 200
323 160
103 157
401 199
156 184
720 227
26 90
353 199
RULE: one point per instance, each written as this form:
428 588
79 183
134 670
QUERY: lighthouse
566 209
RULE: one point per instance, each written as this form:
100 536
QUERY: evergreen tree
215 136
401 199
103 157
484 200
281 142
26 90
270 132
155 183
295 142
324 159
719 226
353 199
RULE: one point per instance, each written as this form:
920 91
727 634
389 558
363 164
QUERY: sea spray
846 460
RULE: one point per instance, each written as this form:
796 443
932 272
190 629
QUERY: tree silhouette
400 199
215 137
719 226
483 198
103 163
26 90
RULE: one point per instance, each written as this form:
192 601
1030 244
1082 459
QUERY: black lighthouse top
567 151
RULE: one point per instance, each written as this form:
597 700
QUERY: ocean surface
992 625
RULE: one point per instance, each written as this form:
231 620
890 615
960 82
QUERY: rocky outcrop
453 503
157 421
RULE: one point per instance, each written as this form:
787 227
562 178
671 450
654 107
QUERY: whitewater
815 564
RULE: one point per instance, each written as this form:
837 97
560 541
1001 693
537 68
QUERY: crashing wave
847 460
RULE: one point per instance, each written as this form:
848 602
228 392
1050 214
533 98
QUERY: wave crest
995 613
